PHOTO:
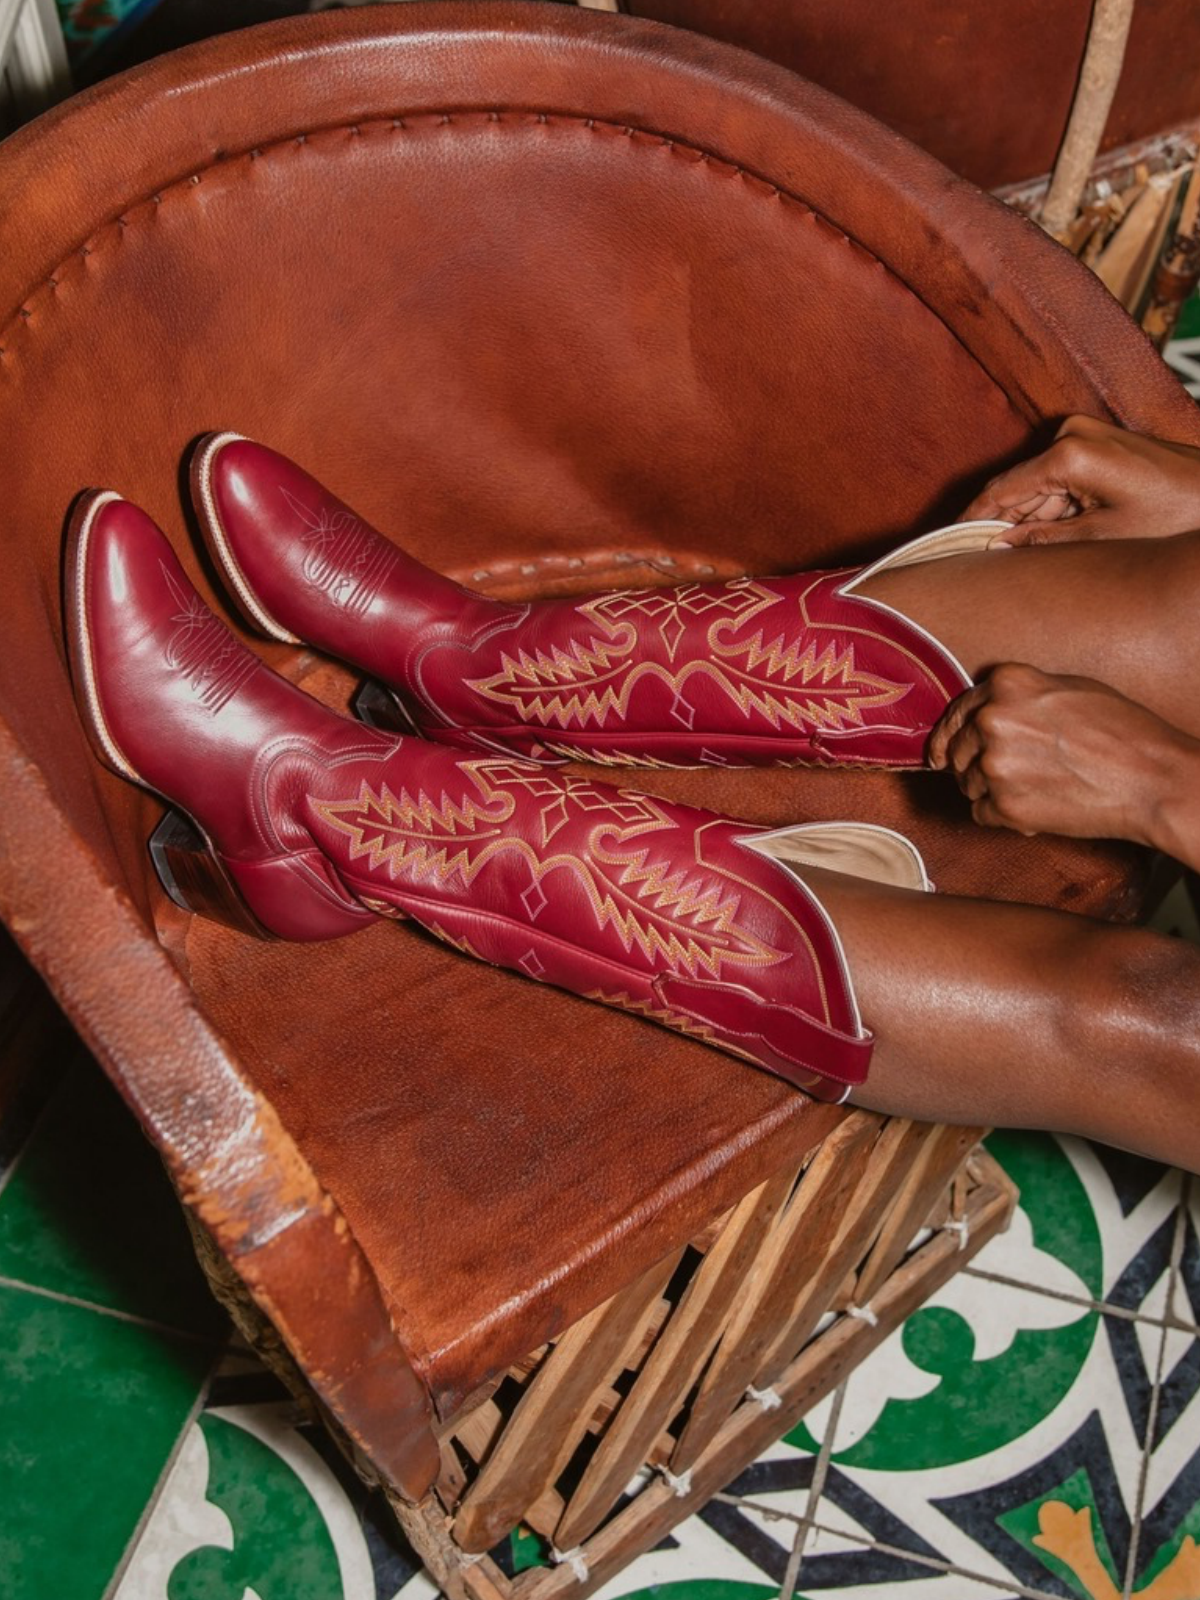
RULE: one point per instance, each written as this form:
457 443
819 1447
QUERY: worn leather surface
750 672
987 88
562 301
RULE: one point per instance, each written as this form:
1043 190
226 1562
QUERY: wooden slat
477 1432
645 1334
835 1282
793 1250
1128 257
674 1363
943 1154
545 1514
749 1431
452 1480
545 1428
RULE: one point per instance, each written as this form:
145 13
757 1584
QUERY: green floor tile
706 1589
1189 319
88 1212
91 1407
282 1549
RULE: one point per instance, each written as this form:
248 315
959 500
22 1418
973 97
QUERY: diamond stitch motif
534 901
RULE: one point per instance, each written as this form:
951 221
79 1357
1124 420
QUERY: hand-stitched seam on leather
473 120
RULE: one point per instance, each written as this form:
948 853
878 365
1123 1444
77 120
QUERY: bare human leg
1023 1017
1123 612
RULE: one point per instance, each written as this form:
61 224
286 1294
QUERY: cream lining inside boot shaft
857 849
959 539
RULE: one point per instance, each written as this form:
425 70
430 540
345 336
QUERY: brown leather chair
985 88
559 300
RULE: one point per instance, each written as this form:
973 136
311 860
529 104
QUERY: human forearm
1172 812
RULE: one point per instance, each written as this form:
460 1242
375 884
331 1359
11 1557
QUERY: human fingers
1080 425
952 720
965 749
972 780
988 814
1040 508
1074 527
1078 469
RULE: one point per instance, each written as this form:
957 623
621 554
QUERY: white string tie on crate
768 1399
962 1227
680 1484
863 1314
574 1559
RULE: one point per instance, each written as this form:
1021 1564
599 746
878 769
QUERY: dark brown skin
1082 638
1052 754
1085 721
1096 481
1023 1017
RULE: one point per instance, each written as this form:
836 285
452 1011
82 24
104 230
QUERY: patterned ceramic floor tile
701 1562
987 1357
1001 1431
251 1505
1168 1562
991 1447
989 1517
87 1212
1183 357
1172 1496
107 1333
91 1407
1185 1303
1135 1203
261 1503
849 1553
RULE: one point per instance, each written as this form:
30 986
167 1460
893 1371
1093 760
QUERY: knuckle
1000 814
1013 677
1079 422
1073 454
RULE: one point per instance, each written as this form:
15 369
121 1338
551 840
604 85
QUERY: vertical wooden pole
1102 62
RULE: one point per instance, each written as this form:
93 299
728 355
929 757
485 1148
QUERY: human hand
1044 754
1095 481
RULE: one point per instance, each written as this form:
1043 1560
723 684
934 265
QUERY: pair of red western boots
322 823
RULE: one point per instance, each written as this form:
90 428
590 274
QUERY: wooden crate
602 1441
606 1438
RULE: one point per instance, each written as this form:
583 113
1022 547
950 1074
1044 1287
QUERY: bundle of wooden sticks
1138 228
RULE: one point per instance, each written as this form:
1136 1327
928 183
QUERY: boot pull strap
822 1060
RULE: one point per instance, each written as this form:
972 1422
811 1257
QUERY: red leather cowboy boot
750 672
693 920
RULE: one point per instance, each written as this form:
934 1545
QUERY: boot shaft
757 671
